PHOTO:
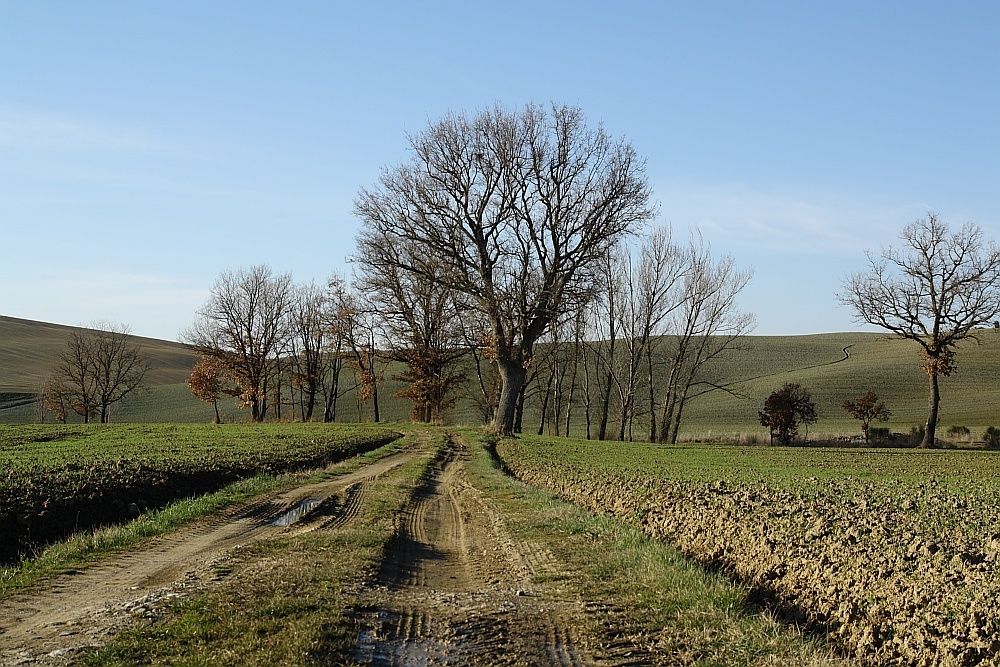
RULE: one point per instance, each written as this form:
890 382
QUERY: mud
456 589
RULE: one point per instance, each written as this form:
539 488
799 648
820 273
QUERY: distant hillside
890 367
29 349
833 367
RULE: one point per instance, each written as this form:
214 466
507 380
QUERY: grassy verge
691 617
89 546
286 603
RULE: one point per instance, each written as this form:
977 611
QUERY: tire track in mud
84 607
454 588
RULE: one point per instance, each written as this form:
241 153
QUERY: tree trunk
519 410
626 419
667 418
310 402
512 374
569 403
602 426
678 412
652 394
545 407
215 404
932 415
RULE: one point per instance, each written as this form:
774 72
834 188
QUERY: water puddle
297 512
399 640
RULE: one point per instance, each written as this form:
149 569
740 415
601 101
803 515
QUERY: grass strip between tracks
683 614
92 545
286 600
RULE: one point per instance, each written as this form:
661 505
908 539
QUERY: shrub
866 409
992 437
878 435
958 431
917 435
785 410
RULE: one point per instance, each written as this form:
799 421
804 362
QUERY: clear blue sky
146 146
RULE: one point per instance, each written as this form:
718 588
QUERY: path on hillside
456 589
83 607
846 351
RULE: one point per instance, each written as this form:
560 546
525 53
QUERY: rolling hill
833 367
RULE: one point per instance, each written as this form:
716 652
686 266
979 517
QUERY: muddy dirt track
83 607
456 589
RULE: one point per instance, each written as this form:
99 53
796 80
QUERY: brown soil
456 589
82 608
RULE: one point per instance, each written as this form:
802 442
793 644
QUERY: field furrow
896 568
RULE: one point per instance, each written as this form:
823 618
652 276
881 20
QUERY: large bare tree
516 207
934 290
244 324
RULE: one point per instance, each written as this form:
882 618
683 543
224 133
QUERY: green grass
57 479
889 367
89 546
51 446
286 602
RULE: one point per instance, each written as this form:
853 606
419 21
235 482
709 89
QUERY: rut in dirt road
455 589
83 608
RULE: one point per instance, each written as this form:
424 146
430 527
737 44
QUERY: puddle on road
297 512
402 641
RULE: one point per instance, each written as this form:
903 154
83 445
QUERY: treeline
625 362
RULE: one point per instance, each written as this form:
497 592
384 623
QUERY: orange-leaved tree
209 380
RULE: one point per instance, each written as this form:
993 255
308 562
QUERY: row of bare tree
276 346
633 347
637 347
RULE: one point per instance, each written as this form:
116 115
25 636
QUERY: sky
146 147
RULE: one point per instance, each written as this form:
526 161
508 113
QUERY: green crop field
893 554
56 446
54 479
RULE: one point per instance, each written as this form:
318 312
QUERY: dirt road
82 608
456 589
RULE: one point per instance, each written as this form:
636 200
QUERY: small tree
55 398
98 368
866 409
209 381
786 409
244 324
